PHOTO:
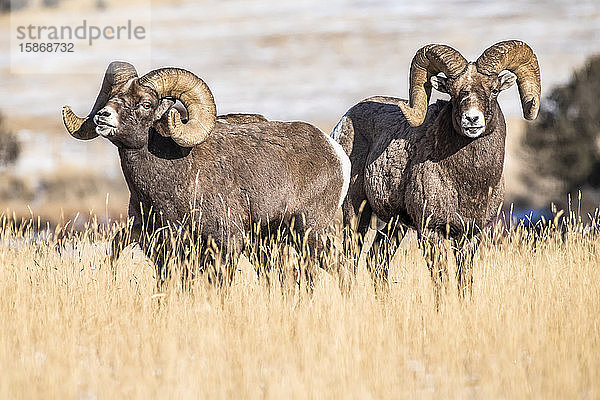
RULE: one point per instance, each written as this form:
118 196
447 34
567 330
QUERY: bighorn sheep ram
212 177
436 168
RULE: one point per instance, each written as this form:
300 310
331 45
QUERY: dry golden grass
531 329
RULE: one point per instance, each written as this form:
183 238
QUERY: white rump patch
343 159
336 134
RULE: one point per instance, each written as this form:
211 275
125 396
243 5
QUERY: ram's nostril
105 112
472 118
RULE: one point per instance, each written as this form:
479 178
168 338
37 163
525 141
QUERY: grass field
530 330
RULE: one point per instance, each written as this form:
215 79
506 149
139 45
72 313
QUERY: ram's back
266 170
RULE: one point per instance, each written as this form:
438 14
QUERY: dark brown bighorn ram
209 179
436 168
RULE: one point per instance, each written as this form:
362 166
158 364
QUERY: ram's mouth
104 128
473 131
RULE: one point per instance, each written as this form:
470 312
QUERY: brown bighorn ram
210 178
437 168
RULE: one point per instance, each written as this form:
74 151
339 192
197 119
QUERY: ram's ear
439 83
161 117
507 79
163 106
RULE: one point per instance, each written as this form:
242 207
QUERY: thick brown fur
429 178
279 175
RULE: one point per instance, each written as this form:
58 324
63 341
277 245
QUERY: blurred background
305 60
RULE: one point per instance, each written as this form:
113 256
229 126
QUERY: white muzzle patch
106 121
472 123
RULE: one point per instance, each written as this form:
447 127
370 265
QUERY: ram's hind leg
314 247
307 247
268 252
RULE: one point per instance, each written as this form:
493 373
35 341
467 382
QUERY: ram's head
473 86
128 106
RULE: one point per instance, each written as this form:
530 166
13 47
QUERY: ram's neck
475 165
155 171
135 164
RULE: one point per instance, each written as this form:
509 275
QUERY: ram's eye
495 91
146 105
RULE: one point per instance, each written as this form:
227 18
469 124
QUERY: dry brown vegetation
530 330
75 195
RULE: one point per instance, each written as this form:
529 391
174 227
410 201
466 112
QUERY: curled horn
195 96
84 128
427 62
517 57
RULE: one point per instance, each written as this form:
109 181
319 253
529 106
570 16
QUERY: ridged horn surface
517 57
117 73
428 61
195 96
